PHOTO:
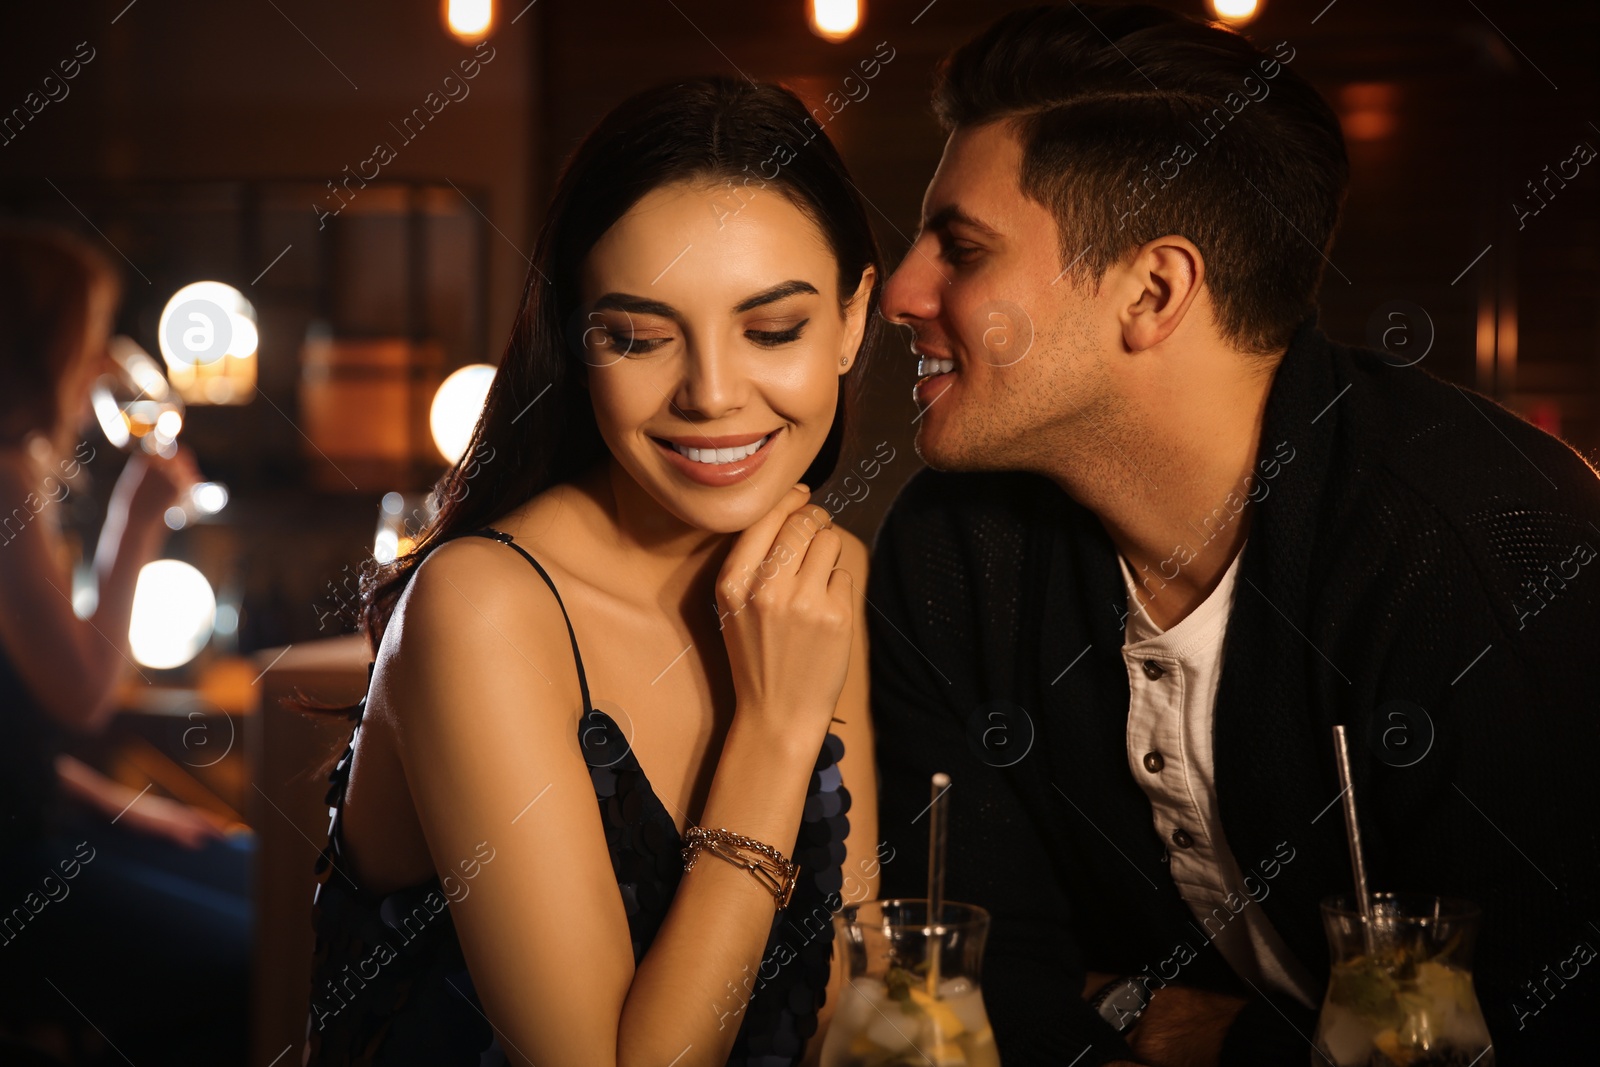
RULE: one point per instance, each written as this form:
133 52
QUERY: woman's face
714 342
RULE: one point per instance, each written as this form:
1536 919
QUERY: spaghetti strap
505 539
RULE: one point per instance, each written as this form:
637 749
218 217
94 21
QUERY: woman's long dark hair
537 428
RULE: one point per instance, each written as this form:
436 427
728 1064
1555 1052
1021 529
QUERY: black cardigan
1416 543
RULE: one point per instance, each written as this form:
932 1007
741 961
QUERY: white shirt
1172 682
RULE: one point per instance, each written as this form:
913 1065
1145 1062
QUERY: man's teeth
930 365
720 455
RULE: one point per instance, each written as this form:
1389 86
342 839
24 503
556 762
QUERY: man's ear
855 318
1162 282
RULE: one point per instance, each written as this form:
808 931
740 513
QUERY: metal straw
938 822
1353 830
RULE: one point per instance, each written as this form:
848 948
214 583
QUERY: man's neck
1173 485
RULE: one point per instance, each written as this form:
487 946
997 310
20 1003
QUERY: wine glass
138 408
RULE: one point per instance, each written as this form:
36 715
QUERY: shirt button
1153 762
1181 838
1153 670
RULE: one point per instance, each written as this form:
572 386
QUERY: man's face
1012 354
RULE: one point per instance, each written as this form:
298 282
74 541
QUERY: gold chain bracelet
765 863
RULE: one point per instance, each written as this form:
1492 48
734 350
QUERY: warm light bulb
245 338
173 612
1236 10
456 407
203 322
469 21
834 20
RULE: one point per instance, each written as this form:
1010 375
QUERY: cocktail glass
911 995
1400 993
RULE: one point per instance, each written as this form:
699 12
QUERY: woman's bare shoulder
462 579
475 628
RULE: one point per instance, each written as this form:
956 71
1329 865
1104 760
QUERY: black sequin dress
390 985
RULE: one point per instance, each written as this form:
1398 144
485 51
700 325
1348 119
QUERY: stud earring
844 362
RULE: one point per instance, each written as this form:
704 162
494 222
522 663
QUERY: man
1189 537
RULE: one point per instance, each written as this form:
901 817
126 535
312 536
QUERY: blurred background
368 223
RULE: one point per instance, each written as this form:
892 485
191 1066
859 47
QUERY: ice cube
954 987
859 1005
892 1030
1345 1036
967 1006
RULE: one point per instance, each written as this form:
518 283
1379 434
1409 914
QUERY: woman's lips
717 474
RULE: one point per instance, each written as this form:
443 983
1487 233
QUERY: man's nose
912 292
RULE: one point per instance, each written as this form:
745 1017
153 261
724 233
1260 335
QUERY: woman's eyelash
628 344
777 337
631 344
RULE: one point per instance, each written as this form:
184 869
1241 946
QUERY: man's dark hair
1138 122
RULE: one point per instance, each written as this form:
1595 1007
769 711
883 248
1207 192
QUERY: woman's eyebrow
630 303
777 292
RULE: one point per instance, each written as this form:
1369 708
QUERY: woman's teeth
931 365
720 455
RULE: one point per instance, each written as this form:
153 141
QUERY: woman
702 293
94 874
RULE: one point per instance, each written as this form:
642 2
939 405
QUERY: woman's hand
149 485
786 615
143 812
169 819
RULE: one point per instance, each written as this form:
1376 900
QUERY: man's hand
1182 1027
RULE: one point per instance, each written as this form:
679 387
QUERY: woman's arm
87 786
477 672
72 665
146 813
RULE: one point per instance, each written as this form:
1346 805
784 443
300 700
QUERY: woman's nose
709 387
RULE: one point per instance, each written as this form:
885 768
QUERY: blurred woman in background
122 910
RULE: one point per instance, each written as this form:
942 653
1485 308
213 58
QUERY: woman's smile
717 461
